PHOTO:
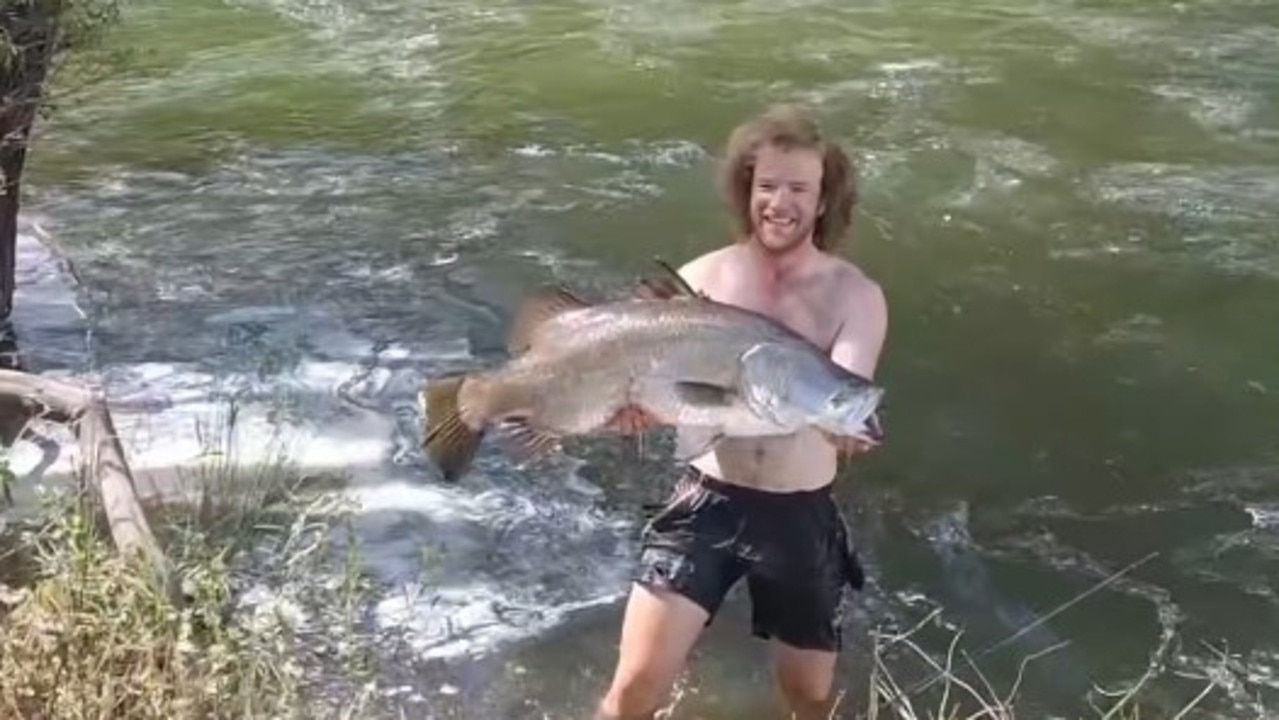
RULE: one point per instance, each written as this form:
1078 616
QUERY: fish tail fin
449 441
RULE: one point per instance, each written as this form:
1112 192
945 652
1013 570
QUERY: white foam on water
1236 675
468 621
632 153
626 27
1225 214
174 417
508 554
1222 192
1265 516
1211 107
384 39
504 563
500 565
1126 33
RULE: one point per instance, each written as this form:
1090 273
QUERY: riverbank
271 622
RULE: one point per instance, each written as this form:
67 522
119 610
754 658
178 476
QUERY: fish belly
579 401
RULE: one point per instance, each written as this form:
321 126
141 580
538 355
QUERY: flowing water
1070 205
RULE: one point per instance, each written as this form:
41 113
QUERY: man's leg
797 590
806 679
685 570
803 629
658 632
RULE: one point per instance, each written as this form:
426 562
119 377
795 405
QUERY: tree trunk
102 460
29 30
12 158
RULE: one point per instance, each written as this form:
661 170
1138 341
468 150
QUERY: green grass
86 634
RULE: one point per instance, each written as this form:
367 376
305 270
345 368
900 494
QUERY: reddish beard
792 240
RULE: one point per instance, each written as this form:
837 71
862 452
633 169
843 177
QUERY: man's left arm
858 345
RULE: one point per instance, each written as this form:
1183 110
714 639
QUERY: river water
1070 205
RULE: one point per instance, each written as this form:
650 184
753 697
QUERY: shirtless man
762 508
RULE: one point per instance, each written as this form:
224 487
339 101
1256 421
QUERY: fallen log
102 461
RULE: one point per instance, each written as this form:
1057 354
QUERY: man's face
785 197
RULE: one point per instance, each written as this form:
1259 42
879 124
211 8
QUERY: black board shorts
793 548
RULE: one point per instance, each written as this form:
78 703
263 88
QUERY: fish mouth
873 426
861 417
866 412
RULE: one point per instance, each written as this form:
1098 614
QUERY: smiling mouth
780 223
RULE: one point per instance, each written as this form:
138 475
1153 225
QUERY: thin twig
1198 698
1071 603
1021 667
1106 582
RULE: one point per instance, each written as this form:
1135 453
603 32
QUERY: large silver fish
711 369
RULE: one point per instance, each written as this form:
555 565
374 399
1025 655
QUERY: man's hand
631 420
851 445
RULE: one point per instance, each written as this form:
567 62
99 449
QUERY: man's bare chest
805 312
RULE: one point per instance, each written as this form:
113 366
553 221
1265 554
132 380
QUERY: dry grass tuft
88 635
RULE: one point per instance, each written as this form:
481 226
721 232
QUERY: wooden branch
102 460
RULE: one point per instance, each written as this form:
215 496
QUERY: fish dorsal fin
537 308
671 285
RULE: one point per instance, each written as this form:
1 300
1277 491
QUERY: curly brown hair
790 126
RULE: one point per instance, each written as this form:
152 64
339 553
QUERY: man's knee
635 696
658 631
805 691
806 679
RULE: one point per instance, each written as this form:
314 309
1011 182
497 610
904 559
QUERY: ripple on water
358 36
1226 193
1222 216
1219 537
1213 107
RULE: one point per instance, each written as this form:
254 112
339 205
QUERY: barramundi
711 369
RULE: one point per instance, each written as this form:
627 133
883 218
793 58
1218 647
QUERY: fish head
849 409
793 385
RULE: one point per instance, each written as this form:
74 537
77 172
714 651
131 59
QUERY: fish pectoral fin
537 308
693 442
526 442
702 394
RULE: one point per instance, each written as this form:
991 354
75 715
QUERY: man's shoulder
853 283
702 269
712 258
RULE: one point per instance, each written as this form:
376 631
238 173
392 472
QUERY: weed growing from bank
88 635
958 688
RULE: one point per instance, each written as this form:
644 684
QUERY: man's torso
812 304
